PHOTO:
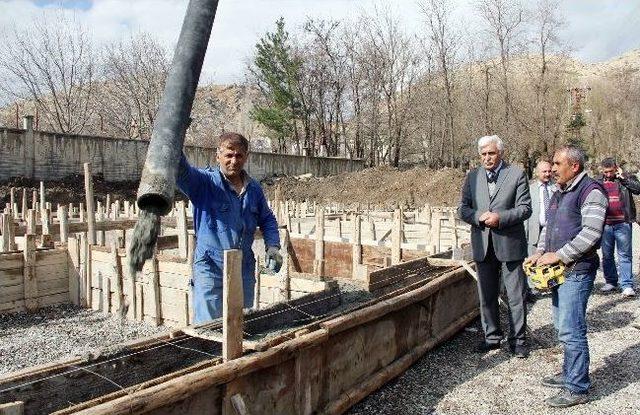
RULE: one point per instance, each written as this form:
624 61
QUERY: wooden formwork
325 367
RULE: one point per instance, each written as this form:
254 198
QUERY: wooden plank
30 281
51 258
10 277
57 286
11 261
232 302
170 280
174 267
12 293
12 408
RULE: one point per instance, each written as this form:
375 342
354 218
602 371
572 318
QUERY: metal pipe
158 181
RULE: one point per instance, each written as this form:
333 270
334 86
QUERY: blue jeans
207 297
569 304
617 236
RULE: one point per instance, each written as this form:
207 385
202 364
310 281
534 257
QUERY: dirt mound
380 185
67 190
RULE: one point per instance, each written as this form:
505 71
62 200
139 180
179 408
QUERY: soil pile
380 185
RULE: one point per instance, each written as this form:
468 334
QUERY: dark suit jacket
511 201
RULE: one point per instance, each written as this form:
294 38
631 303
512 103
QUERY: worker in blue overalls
227 207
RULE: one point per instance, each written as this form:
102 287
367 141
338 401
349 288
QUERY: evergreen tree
276 70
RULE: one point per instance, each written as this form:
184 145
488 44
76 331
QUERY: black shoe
565 398
484 347
520 351
555 381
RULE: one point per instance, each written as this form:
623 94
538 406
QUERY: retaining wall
44 155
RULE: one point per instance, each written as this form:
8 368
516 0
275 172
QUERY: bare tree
51 63
445 43
134 74
504 19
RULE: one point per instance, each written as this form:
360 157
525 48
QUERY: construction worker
571 236
621 213
228 205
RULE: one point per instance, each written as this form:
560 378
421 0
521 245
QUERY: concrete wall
45 156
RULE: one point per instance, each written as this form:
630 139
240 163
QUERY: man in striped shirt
571 236
621 213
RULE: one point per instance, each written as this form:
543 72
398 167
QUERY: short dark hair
574 154
233 140
608 162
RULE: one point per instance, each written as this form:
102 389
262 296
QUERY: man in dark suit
496 203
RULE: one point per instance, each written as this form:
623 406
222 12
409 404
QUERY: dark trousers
514 280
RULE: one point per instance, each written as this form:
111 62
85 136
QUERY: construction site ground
451 379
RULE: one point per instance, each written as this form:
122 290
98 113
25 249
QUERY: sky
597 30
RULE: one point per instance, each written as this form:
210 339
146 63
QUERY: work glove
273 259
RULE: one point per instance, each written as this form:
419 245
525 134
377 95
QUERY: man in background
541 189
621 213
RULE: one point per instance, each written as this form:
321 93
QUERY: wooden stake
107 205
181 225
29 273
12 202
106 294
5 242
139 303
454 231
396 237
232 305
191 244
356 246
75 284
435 232
24 204
318 263
91 210
85 277
256 290
117 273
42 196
64 223
45 219
285 280
154 284
31 222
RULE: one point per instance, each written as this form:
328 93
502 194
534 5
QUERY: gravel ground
453 379
65 331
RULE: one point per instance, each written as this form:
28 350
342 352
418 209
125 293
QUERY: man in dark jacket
621 213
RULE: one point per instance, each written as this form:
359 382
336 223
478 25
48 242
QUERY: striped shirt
593 212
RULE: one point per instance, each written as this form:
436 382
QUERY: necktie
545 198
491 176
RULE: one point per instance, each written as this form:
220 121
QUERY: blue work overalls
223 220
